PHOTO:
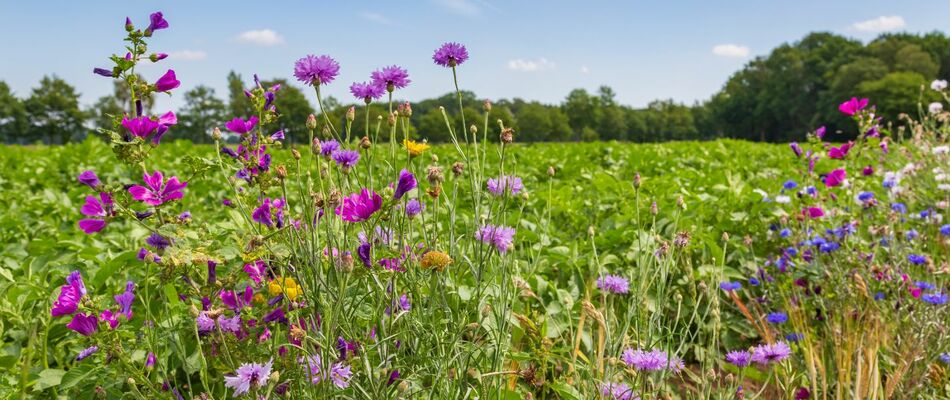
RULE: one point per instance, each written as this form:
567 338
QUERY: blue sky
535 50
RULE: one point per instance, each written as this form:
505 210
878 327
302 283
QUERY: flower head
653 360
617 391
414 207
392 77
84 324
240 126
89 178
738 358
451 54
406 182
367 91
158 191
935 298
156 22
839 153
345 158
777 318
613 284
917 259
415 148
501 237
167 82
771 353
316 70
358 207
86 352
938 84
140 126
268 211
836 177
505 184
100 208
328 147
69 295
340 374
730 286
248 375
852 106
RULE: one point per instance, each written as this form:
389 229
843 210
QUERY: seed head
365 143
457 168
507 135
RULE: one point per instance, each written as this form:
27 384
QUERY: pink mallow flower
100 208
358 207
836 177
158 191
852 106
839 153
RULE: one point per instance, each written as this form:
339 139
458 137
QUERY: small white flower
941 149
935 107
782 199
940 177
938 85
944 186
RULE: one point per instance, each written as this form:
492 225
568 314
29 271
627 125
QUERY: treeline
775 98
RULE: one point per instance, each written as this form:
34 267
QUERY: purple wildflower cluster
651 360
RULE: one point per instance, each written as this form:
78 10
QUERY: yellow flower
415 148
287 286
436 260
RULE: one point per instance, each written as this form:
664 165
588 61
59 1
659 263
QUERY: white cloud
730 50
461 7
263 37
881 24
188 55
377 18
541 64
585 70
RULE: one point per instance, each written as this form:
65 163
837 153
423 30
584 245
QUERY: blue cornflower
730 286
865 197
945 230
785 232
754 281
917 259
879 296
935 298
777 318
924 285
899 207
794 337
789 185
911 234
829 247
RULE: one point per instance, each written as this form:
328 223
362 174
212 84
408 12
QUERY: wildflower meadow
364 262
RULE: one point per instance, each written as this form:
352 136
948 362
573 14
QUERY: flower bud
315 146
351 114
551 171
128 25
295 154
311 122
654 209
365 143
216 133
434 174
156 57
391 119
636 180
473 129
486 105
325 131
457 168
405 109
507 135
281 172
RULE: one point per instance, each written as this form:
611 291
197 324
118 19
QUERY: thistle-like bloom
852 106
328 147
613 284
415 148
204 323
84 324
358 207
451 54
140 126
346 158
156 22
316 70
391 78
70 295
776 318
501 237
158 191
836 177
938 85
167 82
617 391
770 353
839 153
268 211
739 358
89 178
247 375
414 207
240 126
100 208
367 91
406 182
86 353
505 184
653 360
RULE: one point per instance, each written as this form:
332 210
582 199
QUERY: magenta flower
507 183
240 126
316 70
156 22
103 72
813 212
257 271
89 178
84 324
237 301
269 210
406 183
367 91
158 191
110 318
70 295
125 299
164 123
852 106
839 153
167 82
358 207
140 126
836 177
96 207
501 237
796 148
391 78
248 375
770 353
450 55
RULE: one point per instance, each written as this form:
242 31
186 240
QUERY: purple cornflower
613 284
140 126
451 54
358 207
617 391
406 183
367 91
507 183
167 82
794 337
768 353
84 324
316 70
316 371
776 318
156 22
653 360
340 375
346 158
738 358
391 78
730 286
69 295
96 207
247 375
240 126
935 298
158 191
87 352
204 322
404 303
917 259
327 148
414 207
501 237
945 357
232 324
89 178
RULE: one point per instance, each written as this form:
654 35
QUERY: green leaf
78 374
194 362
48 378
172 294
566 391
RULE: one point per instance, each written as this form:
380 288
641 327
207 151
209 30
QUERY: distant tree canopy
778 97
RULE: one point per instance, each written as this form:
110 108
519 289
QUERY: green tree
53 110
203 111
582 110
13 118
896 93
238 104
106 112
